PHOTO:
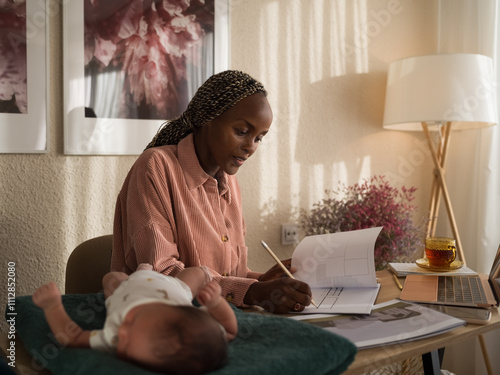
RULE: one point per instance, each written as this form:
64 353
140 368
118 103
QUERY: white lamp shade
440 88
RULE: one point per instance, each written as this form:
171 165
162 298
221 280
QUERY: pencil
396 280
278 261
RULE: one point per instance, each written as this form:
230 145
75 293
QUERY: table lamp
439 93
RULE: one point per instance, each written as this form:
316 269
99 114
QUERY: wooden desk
374 358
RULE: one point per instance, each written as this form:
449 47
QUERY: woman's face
227 141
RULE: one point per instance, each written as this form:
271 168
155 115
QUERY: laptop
463 290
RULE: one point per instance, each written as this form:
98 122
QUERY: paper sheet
340 269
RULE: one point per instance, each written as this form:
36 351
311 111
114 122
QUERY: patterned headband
219 93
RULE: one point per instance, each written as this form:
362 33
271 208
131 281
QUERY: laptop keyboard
465 289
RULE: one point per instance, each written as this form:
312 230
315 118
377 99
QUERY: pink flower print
13 64
151 43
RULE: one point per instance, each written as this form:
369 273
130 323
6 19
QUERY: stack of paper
405 269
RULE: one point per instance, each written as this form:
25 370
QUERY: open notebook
340 269
468 290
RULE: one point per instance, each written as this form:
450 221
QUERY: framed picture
23 76
128 68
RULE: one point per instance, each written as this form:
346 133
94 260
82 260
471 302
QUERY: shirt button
229 297
225 274
225 238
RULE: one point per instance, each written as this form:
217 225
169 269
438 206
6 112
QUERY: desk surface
374 358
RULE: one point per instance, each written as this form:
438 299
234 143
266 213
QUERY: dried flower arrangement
371 204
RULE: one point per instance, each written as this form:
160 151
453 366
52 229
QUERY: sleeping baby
150 320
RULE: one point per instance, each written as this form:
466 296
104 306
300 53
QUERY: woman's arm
65 330
145 225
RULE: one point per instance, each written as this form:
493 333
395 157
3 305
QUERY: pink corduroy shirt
172 214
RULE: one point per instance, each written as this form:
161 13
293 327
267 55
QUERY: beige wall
324 64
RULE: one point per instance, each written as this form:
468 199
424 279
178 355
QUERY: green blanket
265 344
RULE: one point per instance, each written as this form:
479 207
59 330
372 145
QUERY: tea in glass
440 251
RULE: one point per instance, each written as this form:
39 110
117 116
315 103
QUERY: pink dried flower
371 204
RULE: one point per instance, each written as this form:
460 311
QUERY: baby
150 320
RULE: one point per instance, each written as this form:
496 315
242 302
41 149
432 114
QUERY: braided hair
219 93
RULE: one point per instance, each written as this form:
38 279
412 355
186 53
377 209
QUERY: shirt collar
193 172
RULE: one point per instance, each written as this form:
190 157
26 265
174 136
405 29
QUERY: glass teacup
440 251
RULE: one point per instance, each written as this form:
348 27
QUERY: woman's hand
279 296
276 272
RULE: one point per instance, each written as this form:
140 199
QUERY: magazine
390 322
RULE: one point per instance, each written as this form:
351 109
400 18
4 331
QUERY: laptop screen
495 276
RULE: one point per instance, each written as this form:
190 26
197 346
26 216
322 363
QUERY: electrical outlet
289 234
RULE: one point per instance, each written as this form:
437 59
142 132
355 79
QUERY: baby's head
173 339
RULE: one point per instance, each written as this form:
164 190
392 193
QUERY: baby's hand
209 295
47 296
144 267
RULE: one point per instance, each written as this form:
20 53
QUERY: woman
180 205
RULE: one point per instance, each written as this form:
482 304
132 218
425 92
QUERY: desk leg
432 362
